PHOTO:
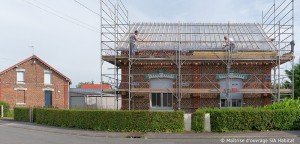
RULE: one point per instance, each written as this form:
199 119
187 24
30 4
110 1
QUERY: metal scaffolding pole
115 83
293 60
179 68
129 72
279 76
101 52
228 68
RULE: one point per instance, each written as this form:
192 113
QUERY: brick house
189 66
34 83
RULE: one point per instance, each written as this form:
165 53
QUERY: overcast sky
64 33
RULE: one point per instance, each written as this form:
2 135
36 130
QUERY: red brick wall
201 75
34 82
125 102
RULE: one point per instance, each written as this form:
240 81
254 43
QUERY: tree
296 79
81 83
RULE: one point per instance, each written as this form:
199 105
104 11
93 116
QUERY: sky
65 33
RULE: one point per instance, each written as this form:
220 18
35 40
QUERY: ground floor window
161 100
231 103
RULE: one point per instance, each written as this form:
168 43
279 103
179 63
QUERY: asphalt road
25 133
13 135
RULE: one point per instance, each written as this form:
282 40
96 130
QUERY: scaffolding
178 47
278 24
114 25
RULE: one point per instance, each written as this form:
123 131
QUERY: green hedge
142 121
223 120
198 120
288 103
21 114
5 108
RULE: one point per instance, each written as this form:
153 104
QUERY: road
14 135
26 133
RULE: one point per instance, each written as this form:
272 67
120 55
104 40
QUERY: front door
48 99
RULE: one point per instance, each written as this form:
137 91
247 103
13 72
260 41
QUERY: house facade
34 83
191 65
202 86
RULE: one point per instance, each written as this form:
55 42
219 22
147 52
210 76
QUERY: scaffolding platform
202 55
203 91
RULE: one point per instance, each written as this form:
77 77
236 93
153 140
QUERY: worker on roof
133 46
229 43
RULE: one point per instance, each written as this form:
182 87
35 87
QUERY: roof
84 91
198 36
40 60
95 86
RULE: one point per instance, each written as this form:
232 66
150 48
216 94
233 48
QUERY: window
156 100
47 77
20 76
161 100
234 103
224 103
167 100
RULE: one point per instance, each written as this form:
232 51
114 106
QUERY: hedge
288 103
5 108
198 121
21 114
223 120
129 121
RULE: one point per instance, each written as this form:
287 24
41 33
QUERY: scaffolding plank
203 91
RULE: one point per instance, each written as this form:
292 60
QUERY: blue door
48 99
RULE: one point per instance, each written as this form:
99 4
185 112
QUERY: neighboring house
188 66
92 98
34 83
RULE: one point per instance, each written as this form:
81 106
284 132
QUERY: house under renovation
191 65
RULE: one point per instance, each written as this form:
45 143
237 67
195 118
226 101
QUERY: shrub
21 114
223 120
142 121
10 114
5 108
198 121
289 103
